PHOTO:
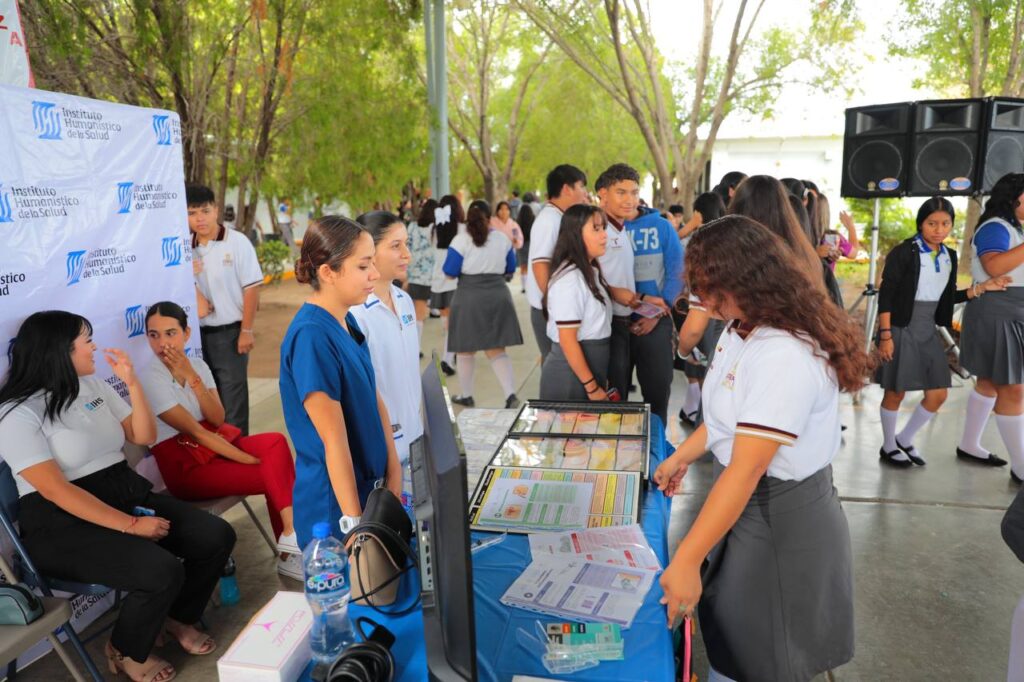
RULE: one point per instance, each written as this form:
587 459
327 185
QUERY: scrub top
317 354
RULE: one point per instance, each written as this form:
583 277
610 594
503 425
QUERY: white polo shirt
572 305
543 236
935 269
85 438
490 259
229 267
617 264
163 393
772 385
395 353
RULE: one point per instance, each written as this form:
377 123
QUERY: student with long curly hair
778 585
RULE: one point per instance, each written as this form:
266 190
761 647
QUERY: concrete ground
935 585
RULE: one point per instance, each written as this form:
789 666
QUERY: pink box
274 646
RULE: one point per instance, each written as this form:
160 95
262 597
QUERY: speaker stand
870 294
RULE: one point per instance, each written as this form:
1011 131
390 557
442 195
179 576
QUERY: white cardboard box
274 646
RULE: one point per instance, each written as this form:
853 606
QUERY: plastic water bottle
229 594
327 591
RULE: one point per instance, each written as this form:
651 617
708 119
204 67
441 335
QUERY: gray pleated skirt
559 382
778 589
482 315
992 340
919 361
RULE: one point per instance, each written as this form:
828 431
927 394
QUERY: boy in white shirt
228 277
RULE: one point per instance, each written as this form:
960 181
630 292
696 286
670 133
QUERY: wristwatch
347 523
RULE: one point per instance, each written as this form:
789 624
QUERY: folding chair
58 611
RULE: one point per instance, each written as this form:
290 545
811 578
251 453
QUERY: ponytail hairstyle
1004 199
729 181
478 222
710 206
447 229
934 205
41 361
772 288
426 215
571 250
330 239
169 309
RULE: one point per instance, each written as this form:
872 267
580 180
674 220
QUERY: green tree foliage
897 222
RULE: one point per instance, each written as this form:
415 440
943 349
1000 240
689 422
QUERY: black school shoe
688 419
465 401
888 457
447 369
992 461
911 452
511 402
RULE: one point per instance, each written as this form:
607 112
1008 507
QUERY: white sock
1011 428
979 407
692 401
502 366
449 357
889 418
464 367
918 419
419 331
1016 667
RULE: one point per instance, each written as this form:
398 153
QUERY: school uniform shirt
617 263
163 393
657 256
996 236
771 385
317 354
495 257
905 267
395 353
421 247
572 305
229 268
85 438
543 236
936 268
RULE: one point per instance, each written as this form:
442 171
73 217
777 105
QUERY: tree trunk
971 222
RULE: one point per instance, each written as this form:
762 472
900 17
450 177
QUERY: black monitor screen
439 488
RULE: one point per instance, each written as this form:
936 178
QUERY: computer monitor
438 463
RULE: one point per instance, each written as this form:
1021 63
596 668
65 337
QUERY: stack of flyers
545 418
576 454
616 545
564 422
586 423
602 455
632 424
630 455
609 423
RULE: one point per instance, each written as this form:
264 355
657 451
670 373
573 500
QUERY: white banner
14 65
93 221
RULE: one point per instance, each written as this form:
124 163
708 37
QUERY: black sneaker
511 402
447 369
465 401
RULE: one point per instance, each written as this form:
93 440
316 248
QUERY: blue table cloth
648 652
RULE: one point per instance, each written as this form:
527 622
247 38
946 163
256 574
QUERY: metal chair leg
63 653
82 653
263 531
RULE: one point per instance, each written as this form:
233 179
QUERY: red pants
274 476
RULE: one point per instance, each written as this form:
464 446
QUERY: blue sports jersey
657 256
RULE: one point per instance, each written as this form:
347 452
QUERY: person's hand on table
682 587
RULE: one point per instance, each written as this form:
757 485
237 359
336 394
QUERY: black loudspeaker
1004 141
946 147
875 150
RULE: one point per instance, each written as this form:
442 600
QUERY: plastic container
327 590
229 594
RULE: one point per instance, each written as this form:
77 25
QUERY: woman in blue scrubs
336 418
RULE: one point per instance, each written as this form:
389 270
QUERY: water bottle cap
321 530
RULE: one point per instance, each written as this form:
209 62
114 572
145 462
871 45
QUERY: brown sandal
160 671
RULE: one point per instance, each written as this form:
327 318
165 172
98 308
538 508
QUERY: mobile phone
612 395
832 240
142 511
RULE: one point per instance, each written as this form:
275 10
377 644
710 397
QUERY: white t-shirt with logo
773 385
163 393
230 267
617 264
543 236
395 353
572 305
85 438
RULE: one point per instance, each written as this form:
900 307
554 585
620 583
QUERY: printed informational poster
535 504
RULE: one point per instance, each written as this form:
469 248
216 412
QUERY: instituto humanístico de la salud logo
124 197
171 251
6 215
162 128
75 266
135 320
46 120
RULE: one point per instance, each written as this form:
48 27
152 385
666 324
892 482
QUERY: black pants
157 583
230 371
651 355
620 372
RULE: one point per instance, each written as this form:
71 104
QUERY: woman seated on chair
84 514
200 457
